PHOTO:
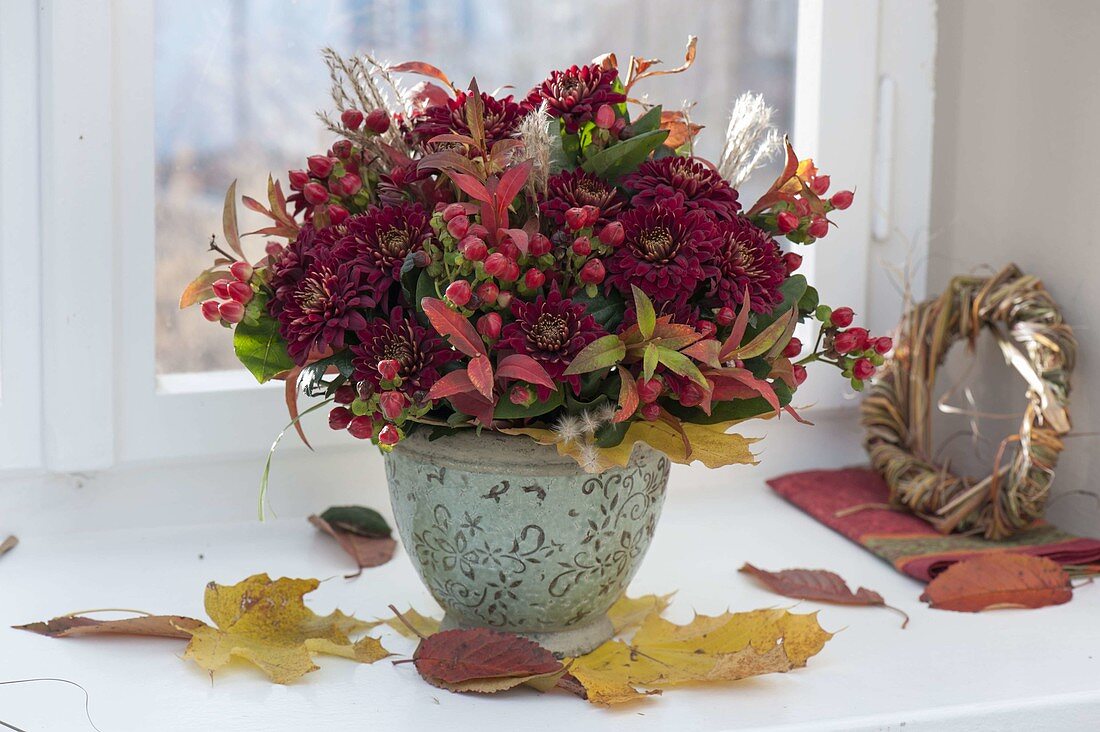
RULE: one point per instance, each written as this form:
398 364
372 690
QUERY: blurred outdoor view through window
238 82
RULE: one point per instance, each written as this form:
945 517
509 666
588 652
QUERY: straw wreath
1029 328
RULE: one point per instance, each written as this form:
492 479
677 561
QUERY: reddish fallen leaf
367 551
820 585
999 580
162 626
8 544
484 660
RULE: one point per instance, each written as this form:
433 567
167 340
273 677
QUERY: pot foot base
567 643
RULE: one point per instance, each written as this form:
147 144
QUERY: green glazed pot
510 535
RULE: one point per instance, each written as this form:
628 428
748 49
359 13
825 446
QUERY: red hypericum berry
605 117
342 149
593 272
298 179
842 317
350 184
819 227
863 369
487 292
649 390
539 245
533 279
392 403
378 121
883 345
231 312
474 248
591 215
650 412
478 230
452 210
725 316
511 272
617 128
337 214
612 234
459 292
389 435
707 328
351 118
865 341
389 368
489 325
496 264
802 207
320 165
221 288
519 395
842 199
819 185
504 299
339 418
793 348
582 246
792 261
241 292
344 394
691 395
575 218
315 193
210 311
846 341
786 222
361 427
459 226
241 270
799 374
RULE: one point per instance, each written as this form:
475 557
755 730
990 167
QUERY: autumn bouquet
559 265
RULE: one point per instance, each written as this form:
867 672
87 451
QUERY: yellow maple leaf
725 647
424 625
267 623
629 612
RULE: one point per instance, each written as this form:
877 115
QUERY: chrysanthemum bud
378 121
351 118
389 369
459 292
241 270
361 427
231 312
320 165
489 325
520 395
842 199
786 222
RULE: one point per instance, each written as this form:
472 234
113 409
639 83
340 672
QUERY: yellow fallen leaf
629 612
423 624
726 647
267 623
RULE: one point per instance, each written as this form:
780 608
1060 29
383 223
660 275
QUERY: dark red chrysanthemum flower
381 239
291 266
666 252
576 188
748 258
575 94
419 351
551 330
502 117
326 303
700 185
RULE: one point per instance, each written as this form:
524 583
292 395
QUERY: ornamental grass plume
751 139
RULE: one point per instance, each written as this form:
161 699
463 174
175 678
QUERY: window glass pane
238 81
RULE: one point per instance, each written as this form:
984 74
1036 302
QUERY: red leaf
424 69
367 551
999 580
291 393
229 221
726 379
426 94
471 186
817 584
628 396
524 368
519 237
472 403
480 371
159 626
738 332
453 326
455 382
511 183
456 656
797 417
460 139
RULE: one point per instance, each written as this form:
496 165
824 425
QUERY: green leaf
792 289
808 302
649 361
425 287
680 364
648 122
617 160
312 377
647 316
261 349
765 339
736 410
611 434
505 409
607 310
358 520
600 353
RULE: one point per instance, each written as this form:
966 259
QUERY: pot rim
487 452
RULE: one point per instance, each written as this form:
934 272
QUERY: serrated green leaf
261 349
599 354
617 160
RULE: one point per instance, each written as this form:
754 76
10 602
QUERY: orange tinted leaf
481 375
424 69
628 397
367 551
817 584
200 288
680 130
161 626
453 326
229 221
999 580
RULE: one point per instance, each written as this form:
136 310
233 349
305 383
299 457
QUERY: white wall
1017 144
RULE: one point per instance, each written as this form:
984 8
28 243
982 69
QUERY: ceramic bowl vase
508 534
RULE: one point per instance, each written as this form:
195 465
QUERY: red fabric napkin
904 540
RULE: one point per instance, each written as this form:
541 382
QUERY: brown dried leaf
161 626
8 544
999 580
818 584
367 551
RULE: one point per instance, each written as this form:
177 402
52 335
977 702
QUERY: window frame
96 67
